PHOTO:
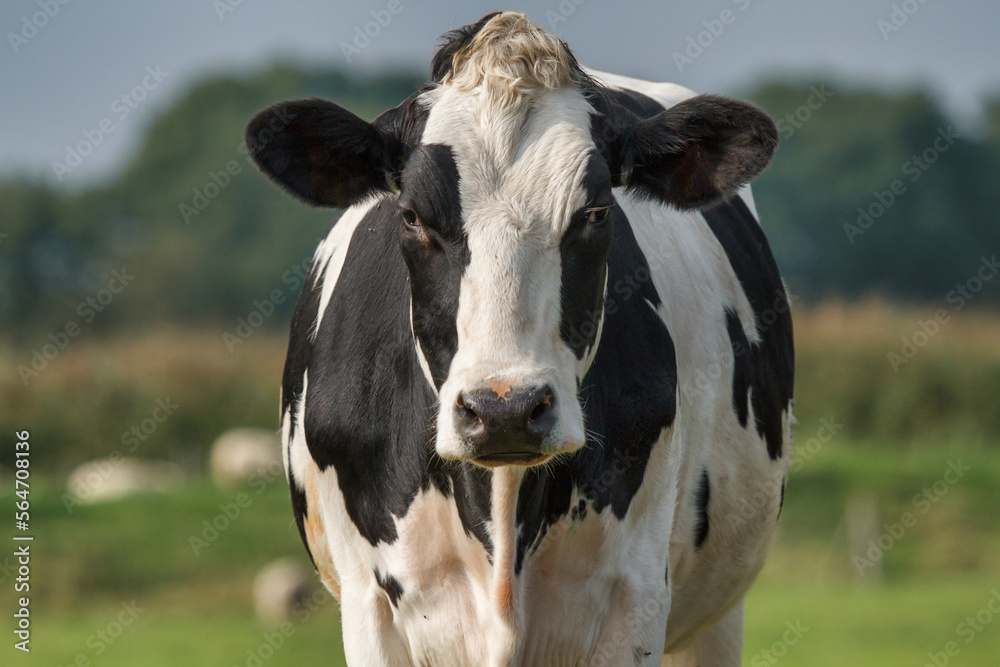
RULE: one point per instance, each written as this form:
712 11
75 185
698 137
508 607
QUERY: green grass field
184 608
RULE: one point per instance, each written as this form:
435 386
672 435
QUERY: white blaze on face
521 171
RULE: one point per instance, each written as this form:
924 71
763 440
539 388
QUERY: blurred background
148 273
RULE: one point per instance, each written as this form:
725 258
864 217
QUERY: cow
537 401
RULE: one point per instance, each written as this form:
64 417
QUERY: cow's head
502 174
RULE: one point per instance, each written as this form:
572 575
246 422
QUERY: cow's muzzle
506 425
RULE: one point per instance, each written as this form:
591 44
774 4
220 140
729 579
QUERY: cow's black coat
769 365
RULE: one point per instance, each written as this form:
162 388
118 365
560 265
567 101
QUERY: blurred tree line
205 235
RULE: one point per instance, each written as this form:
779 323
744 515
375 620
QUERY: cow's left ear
321 152
698 151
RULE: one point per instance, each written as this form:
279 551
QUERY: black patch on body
391 586
300 508
628 398
299 353
701 510
741 366
781 502
769 366
300 346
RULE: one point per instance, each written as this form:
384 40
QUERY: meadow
898 467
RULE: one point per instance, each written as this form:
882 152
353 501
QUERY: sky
97 72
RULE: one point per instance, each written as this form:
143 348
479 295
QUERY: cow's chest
588 587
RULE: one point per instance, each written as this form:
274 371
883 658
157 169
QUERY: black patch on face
770 366
583 252
741 366
391 586
369 410
628 398
701 510
436 255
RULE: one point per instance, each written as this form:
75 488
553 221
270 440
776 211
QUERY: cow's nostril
466 414
542 408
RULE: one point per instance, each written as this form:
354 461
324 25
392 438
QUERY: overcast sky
61 76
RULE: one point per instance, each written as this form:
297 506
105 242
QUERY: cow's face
503 185
505 228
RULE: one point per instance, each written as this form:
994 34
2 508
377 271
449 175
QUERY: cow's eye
596 216
410 218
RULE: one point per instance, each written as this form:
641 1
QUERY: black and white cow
537 398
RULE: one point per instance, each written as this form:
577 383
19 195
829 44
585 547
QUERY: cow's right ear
321 152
